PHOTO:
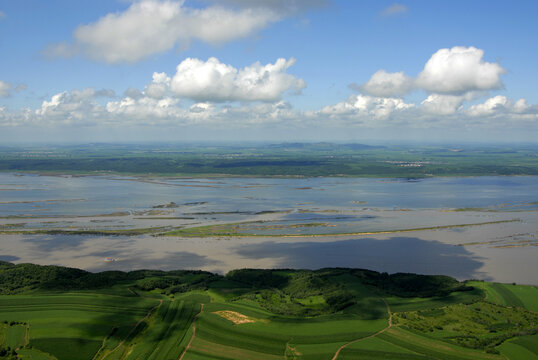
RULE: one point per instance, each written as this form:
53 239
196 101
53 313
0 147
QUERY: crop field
266 336
525 347
161 336
431 348
421 303
68 326
261 314
510 294
375 347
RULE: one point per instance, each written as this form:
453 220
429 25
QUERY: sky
268 70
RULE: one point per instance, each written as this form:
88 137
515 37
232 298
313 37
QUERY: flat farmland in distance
280 160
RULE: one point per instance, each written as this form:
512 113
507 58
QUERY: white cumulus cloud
212 80
367 106
459 70
501 105
145 109
159 86
489 107
77 106
153 26
441 104
160 102
387 84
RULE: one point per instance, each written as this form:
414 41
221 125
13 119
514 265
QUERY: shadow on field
128 319
97 318
396 254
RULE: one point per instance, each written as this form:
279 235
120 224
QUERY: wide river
473 227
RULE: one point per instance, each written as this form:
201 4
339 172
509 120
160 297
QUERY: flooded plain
482 228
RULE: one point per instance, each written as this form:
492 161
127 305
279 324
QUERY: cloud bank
221 96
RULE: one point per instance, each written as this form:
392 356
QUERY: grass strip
508 296
232 230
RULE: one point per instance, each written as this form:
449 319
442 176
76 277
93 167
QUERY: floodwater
502 247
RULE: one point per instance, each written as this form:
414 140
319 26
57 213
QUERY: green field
510 294
59 313
69 326
525 347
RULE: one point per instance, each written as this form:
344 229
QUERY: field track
367 337
193 333
132 330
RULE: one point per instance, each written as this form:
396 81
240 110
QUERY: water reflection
396 254
53 243
176 260
9 258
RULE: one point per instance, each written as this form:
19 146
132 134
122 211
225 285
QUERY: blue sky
273 70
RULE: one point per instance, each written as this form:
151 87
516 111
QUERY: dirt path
102 346
193 333
368 337
132 291
27 335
